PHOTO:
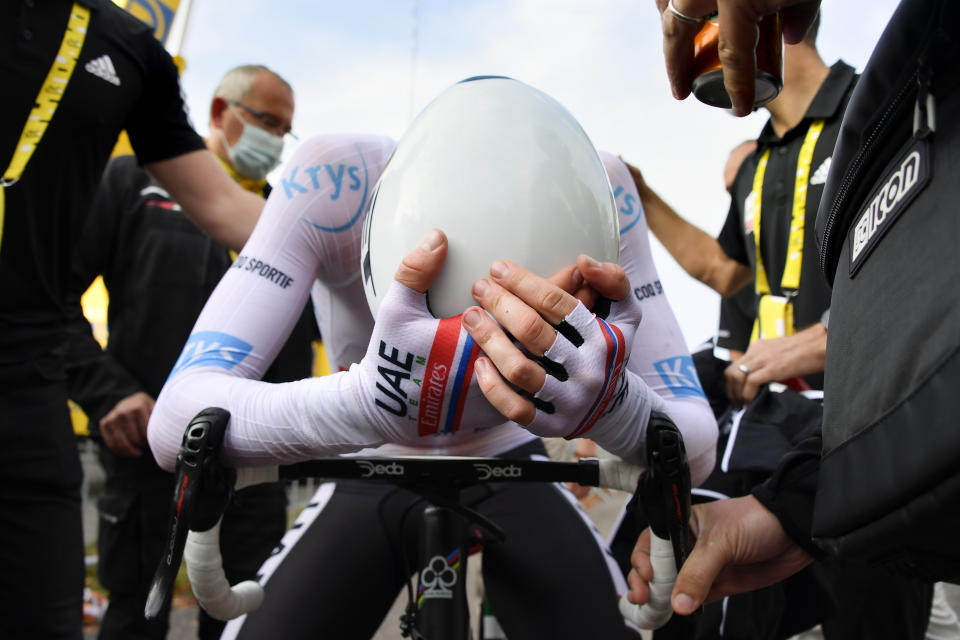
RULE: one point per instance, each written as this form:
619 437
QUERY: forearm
659 356
622 429
237 216
806 353
791 491
695 420
247 318
270 423
216 203
696 251
776 359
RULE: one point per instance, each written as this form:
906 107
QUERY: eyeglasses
267 121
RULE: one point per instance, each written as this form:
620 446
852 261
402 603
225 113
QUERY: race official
746 543
785 177
75 74
774 199
769 237
159 270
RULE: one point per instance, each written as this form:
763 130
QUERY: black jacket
159 270
872 453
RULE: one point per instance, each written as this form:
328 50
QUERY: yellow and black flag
156 13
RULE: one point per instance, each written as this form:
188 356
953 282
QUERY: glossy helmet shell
506 172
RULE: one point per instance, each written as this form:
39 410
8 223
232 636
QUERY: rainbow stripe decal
453 561
616 352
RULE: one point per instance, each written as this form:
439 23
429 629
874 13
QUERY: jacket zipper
858 161
923 85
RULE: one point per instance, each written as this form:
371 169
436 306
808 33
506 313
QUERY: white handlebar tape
617 474
209 584
655 613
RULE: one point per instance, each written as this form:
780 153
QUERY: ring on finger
744 369
682 17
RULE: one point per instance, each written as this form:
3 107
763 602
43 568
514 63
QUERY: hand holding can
737 40
708 74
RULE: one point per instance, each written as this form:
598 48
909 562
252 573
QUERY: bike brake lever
664 491
662 501
202 490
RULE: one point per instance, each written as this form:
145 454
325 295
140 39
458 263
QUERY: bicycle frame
440 607
662 490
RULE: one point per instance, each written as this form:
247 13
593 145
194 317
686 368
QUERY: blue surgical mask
256 153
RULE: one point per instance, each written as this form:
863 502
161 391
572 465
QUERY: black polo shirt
123 79
779 182
737 313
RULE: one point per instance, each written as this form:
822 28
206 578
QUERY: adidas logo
820 175
102 67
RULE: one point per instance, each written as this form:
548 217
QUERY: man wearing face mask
249 117
159 270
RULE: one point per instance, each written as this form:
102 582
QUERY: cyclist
351 539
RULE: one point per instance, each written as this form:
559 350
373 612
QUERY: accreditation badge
774 318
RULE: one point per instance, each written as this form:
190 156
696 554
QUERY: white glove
580 384
585 369
416 378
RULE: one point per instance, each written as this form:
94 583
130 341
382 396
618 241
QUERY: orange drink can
708 74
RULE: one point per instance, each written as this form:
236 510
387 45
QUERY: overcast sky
370 65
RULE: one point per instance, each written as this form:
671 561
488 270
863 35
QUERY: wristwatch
825 318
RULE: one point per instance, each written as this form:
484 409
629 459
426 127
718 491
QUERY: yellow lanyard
48 99
790 281
253 185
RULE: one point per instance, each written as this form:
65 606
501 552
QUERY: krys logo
629 208
680 376
337 180
212 349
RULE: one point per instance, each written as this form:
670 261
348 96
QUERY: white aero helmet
507 173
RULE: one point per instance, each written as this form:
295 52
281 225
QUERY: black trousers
134 509
41 530
354 547
871 602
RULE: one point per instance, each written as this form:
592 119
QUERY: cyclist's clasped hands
417 374
577 357
423 376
